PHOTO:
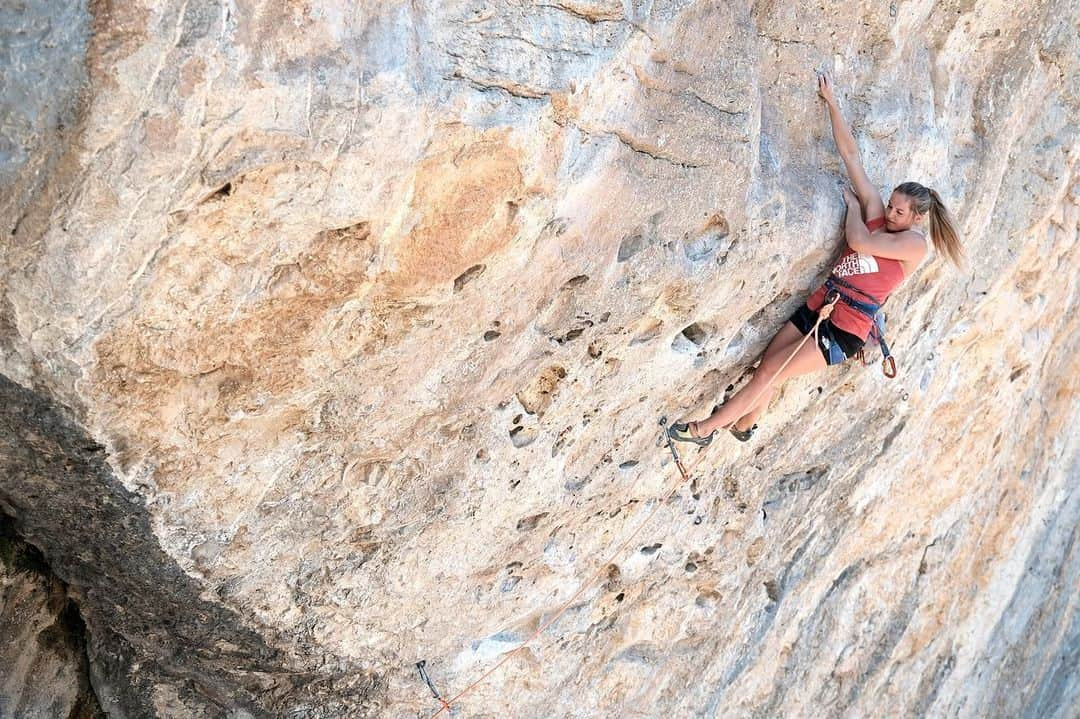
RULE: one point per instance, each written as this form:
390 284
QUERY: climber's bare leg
806 360
749 419
788 333
783 343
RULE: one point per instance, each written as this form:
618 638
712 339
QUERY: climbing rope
447 704
823 314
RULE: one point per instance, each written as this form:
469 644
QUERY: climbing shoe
680 432
743 435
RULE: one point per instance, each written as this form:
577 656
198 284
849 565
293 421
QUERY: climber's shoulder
910 246
906 245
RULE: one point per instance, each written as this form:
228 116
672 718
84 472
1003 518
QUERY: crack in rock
637 146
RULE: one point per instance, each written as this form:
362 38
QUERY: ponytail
943 231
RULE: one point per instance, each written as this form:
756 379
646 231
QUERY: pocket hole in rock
220 193
696 333
520 437
707 598
629 247
468 276
571 335
526 524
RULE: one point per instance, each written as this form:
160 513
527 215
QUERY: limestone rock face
334 337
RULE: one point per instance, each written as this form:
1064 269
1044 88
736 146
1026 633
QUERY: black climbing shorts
835 344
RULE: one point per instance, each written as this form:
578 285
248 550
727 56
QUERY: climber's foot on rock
743 435
688 432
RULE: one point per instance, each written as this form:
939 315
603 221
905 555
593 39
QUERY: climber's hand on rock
825 88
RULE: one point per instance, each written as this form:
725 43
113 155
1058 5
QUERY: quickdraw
674 452
427 680
877 336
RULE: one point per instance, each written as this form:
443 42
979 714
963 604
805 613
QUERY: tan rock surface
375 310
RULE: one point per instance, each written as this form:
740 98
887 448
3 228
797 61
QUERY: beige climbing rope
823 314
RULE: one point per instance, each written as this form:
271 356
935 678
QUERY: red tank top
876 276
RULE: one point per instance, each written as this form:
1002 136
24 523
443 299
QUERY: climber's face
900 213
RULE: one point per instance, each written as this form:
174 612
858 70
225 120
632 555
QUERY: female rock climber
881 251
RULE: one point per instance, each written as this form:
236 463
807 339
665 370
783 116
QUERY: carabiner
825 311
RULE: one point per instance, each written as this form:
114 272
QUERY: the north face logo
855 264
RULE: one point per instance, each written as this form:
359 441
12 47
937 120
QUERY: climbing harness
684 477
873 310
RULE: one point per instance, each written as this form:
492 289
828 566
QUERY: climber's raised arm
869 197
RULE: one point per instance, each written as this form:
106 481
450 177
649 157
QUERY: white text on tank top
856 264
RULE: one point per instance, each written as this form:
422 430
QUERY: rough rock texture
157 643
43 665
337 339
42 75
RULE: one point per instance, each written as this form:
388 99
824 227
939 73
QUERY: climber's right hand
825 88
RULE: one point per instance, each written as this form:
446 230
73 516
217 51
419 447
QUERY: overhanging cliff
332 340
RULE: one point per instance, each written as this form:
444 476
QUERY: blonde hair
943 231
